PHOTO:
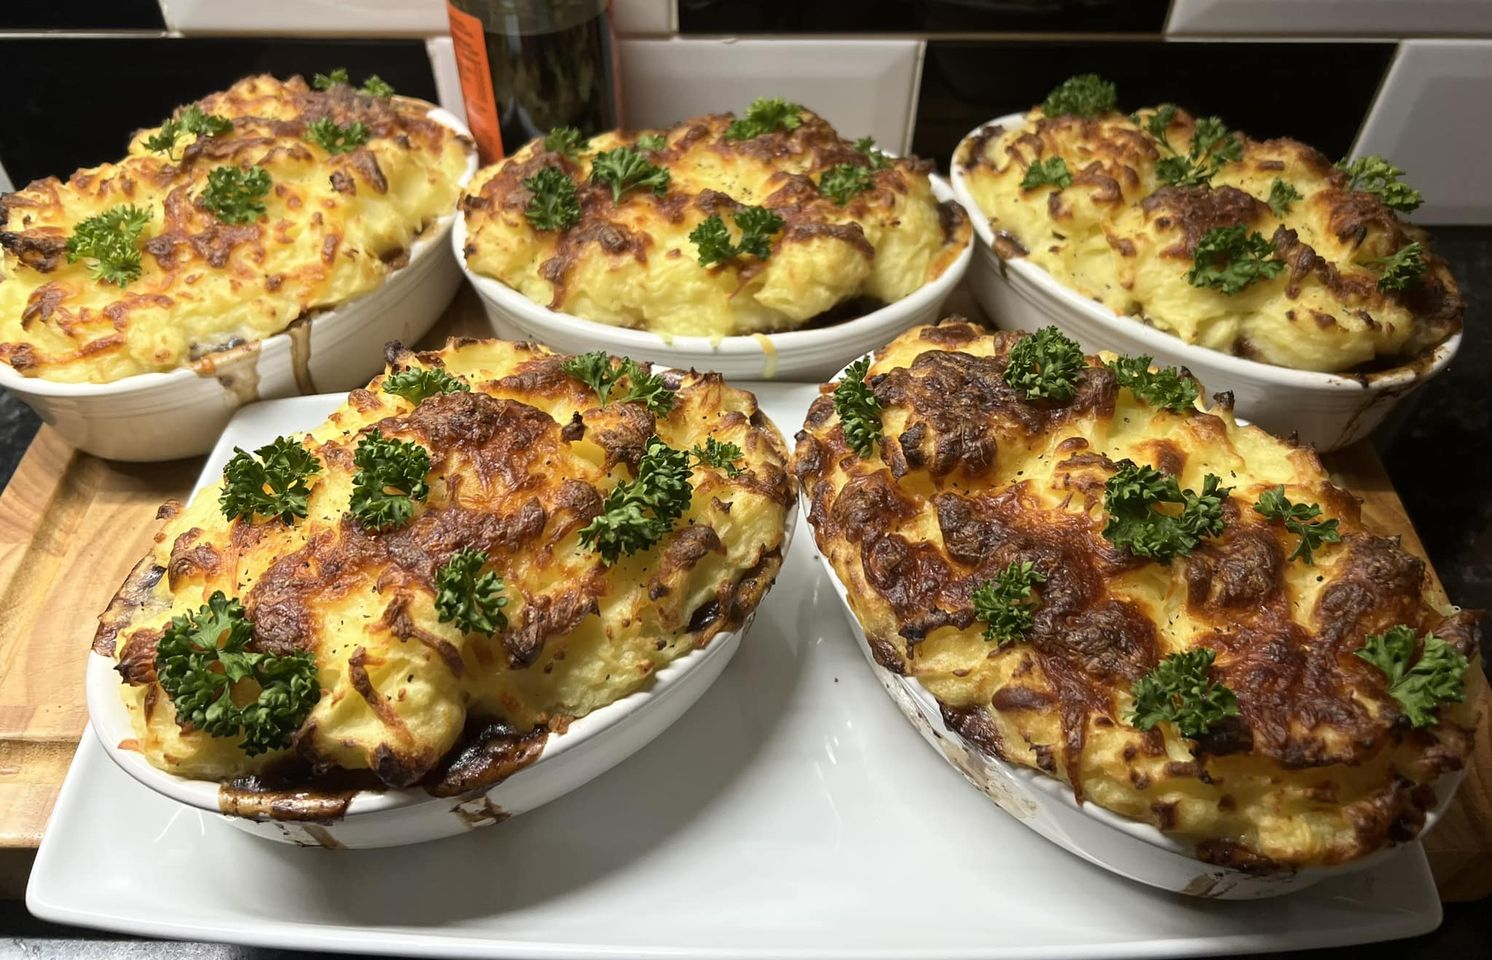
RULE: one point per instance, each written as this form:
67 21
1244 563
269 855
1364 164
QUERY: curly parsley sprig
719 454
1300 519
1180 690
564 140
374 86
337 138
1229 259
877 157
652 142
1281 195
845 181
858 409
271 482
1051 172
474 603
192 119
553 204
390 478
765 115
1005 604
626 168
1213 146
1085 95
1167 388
236 195
637 514
757 226
202 657
1402 270
1045 365
419 383
110 242
1437 676
1132 499
1377 176
597 371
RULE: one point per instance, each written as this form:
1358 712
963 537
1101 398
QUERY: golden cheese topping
519 465
333 227
1121 236
1317 766
631 263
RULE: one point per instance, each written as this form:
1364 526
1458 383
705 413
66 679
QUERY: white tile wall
1334 17
1431 119
863 87
367 17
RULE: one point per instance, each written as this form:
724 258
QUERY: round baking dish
1328 410
588 748
181 413
790 355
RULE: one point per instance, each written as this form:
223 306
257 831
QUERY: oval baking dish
181 413
925 604
1328 410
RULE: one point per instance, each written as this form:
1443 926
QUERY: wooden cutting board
72 525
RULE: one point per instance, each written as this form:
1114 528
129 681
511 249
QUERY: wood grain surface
72 525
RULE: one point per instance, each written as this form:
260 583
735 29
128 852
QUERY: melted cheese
970 478
336 226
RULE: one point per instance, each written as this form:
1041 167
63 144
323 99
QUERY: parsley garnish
565 140
1212 146
202 657
858 409
1403 269
1049 172
637 514
325 81
390 478
1044 365
721 456
624 169
843 181
1132 498
192 120
1231 258
273 485
111 241
1377 176
763 116
1086 95
1167 388
878 159
554 205
757 225
1180 690
1437 677
1004 603
1281 195
235 195
652 142
1300 519
418 383
334 138
376 86
474 603
596 371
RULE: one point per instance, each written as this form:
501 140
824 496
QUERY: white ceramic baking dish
181 413
590 746
1127 847
791 355
1325 409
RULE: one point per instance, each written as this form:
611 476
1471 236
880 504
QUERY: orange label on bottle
470 43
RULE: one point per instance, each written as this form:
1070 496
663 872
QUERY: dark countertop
1434 447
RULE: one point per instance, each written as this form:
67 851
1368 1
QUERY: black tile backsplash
1263 89
81 15
922 16
73 101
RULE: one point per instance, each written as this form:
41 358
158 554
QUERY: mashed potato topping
1118 234
334 226
518 466
631 263
1318 763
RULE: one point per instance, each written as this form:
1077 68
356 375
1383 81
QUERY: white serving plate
181 413
1325 409
793 815
792 355
591 746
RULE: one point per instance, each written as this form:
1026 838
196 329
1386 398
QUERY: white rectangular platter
792 813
